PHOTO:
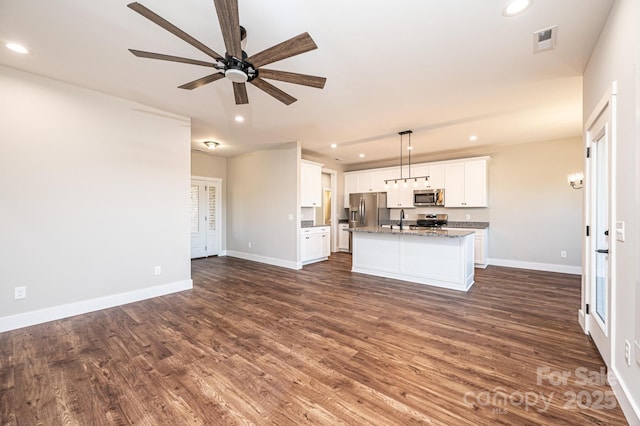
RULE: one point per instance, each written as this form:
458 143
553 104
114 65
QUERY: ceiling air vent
545 39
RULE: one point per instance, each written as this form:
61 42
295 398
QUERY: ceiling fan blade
202 81
292 47
230 25
162 57
292 77
273 91
240 92
153 17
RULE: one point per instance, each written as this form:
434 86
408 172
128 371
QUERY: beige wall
616 58
263 191
206 165
535 214
94 194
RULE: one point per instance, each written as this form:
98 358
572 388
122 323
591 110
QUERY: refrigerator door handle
364 212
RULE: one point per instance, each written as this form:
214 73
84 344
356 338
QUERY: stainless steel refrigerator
367 209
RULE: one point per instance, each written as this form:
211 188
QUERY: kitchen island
442 258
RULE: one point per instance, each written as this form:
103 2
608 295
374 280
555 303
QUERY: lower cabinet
315 244
479 246
343 237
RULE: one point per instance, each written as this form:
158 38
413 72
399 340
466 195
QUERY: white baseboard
40 316
582 320
264 259
549 267
627 404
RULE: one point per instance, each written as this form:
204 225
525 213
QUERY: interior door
599 275
205 218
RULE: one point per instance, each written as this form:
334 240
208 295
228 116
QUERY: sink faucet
401 218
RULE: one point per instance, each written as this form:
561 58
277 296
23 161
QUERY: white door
599 278
205 218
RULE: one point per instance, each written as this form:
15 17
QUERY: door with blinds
205 217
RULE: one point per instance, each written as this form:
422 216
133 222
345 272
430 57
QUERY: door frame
219 207
334 208
606 105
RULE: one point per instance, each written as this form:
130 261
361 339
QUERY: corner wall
263 206
94 195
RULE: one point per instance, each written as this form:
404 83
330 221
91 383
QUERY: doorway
599 216
205 217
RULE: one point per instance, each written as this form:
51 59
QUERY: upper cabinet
311 184
400 195
464 181
435 173
364 181
466 184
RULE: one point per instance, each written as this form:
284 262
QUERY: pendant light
405 180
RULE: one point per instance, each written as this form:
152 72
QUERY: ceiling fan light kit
235 65
235 75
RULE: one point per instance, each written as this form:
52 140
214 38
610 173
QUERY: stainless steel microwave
428 197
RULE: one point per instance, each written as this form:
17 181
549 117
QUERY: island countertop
448 233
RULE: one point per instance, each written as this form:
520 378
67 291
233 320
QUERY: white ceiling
444 69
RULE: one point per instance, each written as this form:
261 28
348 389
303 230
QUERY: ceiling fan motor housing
239 71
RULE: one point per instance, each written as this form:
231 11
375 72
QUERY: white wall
263 191
94 194
205 165
616 58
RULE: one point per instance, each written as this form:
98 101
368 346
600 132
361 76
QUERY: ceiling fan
235 65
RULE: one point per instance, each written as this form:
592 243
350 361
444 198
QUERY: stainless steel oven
428 197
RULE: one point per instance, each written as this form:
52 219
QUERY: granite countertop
304 225
418 232
471 225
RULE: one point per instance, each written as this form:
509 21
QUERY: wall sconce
576 180
211 144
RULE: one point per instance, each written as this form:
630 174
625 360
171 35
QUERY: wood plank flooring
256 344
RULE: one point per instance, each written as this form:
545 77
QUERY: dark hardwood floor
256 344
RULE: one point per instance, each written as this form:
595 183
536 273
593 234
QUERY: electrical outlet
249 244
157 270
19 293
290 216
627 352
563 253
467 217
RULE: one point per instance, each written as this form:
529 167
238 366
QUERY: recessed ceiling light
17 48
516 7
211 144
473 138
361 155
334 145
239 118
410 148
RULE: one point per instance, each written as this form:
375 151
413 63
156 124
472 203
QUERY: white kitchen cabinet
466 184
315 244
350 186
400 197
311 184
343 237
371 181
480 244
365 181
435 173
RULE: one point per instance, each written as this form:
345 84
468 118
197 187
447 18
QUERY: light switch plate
620 230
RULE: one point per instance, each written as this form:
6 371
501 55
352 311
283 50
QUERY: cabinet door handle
602 251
